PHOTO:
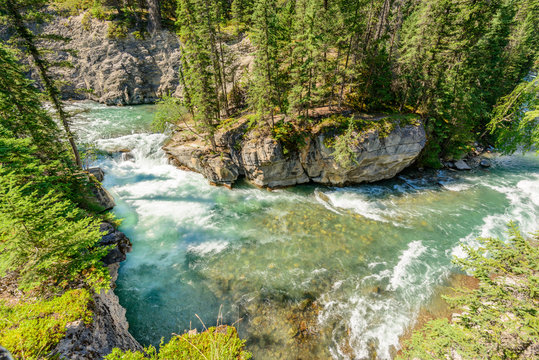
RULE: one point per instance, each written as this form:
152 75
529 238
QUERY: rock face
115 71
262 160
102 196
111 236
108 330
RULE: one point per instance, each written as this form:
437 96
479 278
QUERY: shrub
500 320
30 329
290 138
170 112
215 343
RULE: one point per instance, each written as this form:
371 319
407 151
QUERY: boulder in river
485 163
265 162
128 156
462 165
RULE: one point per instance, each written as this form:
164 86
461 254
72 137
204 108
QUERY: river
310 272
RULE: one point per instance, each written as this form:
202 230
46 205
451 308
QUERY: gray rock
111 236
109 329
262 160
128 156
485 163
102 196
4 354
98 173
115 71
462 165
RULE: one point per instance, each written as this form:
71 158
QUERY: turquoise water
309 272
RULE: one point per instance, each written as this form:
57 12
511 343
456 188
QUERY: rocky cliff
110 68
264 161
109 328
120 67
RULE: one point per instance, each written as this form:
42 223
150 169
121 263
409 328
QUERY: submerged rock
127 156
265 163
485 163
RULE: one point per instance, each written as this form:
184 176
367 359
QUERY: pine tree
242 9
306 53
46 238
12 10
264 92
199 64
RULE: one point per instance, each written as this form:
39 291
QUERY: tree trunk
40 64
154 16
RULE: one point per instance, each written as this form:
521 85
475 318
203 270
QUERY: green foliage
290 138
514 120
47 239
501 318
215 343
116 30
170 112
29 329
43 235
263 92
344 146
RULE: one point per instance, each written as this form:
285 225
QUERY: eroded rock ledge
262 160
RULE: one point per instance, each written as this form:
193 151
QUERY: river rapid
310 272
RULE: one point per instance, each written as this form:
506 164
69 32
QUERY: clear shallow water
312 272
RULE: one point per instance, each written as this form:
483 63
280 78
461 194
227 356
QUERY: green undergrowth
29 329
500 319
215 343
384 124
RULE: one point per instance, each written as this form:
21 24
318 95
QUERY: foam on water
415 249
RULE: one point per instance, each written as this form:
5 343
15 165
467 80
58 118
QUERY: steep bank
109 327
375 155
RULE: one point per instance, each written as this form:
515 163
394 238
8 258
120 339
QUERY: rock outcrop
114 70
263 161
101 196
120 67
109 328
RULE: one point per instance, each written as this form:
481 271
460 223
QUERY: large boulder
265 163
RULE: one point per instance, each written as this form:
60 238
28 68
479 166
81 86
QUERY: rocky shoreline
109 328
266 162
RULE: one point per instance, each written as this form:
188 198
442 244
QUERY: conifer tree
13 11
199 73
264 90
306 52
